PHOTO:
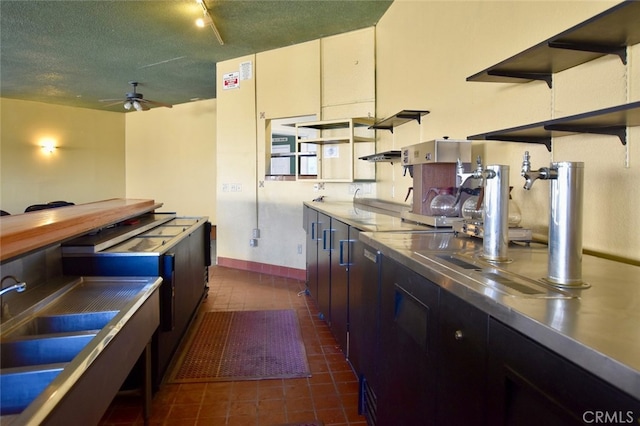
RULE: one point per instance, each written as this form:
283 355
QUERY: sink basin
64 323
20 386
33 353
43 350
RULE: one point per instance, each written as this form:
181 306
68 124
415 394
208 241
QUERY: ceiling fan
135 100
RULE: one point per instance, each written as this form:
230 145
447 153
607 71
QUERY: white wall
87 165
171 157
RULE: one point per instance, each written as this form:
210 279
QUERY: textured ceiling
78 52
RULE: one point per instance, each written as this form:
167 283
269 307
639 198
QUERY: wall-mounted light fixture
48 145
208 20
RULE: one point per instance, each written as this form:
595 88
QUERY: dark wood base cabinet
364 325
530 385
341 244
408 341
312 229
425 355
462 354
325 247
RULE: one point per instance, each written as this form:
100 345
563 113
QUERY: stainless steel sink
46 349
48 324
19 386
81 339
35 352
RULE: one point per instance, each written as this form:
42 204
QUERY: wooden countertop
23 233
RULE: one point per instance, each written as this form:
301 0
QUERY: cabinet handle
458 335
313 231
346 262
326 247
168 319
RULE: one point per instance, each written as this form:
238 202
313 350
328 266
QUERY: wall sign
231 80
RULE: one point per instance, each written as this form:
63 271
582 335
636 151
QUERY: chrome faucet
462 177
18 286
531 176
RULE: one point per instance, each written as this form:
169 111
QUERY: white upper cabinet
348 68
288 81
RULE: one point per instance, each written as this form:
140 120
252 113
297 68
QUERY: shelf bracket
409 116
619 131
378 127
621 52
544 140
546 77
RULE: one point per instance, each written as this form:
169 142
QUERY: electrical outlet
299 248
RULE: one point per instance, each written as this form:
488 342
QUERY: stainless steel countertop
596 328
368 218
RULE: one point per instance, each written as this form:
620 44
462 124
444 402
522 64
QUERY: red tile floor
330 395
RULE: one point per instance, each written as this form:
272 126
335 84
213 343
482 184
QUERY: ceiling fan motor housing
134 95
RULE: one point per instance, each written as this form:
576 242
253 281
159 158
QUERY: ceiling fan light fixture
127 105
137 106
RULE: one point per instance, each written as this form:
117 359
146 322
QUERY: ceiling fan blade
119 101
156 103
111 100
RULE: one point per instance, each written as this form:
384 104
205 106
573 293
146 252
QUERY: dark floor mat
243 345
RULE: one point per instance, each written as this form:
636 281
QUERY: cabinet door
339 292
312 230
530 385
297 93
188 287
364 323
462 362
408 337
325 249
348 68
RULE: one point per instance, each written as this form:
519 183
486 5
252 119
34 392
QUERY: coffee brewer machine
433 166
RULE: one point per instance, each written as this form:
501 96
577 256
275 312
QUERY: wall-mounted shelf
610 32
382 157
328 148
399 119
608 121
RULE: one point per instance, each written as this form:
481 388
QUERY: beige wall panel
633 58
288 80
595 85
431 75
88 165
348 68
236 164
171 157
280 223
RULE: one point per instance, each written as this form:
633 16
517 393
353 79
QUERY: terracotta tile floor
330 395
